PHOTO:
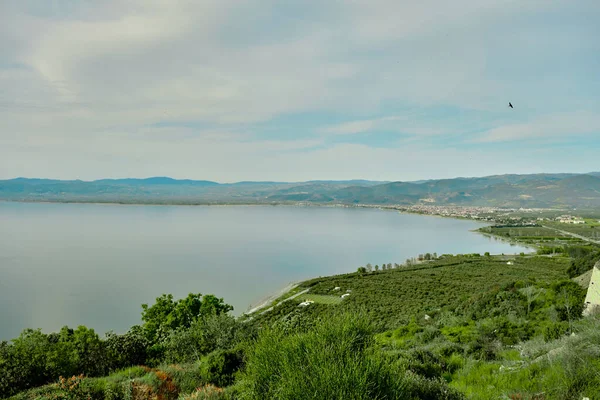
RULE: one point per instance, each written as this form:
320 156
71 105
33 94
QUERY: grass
563 369
321 298
335 360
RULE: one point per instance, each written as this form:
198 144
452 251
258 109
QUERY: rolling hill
534 190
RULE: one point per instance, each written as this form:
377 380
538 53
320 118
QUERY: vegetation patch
321 298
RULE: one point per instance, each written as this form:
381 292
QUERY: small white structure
509 263
592 298
345 295
427 317
305 303
336 288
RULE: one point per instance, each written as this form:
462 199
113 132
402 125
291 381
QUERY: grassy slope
392 297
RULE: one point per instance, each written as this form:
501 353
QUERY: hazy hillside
535 190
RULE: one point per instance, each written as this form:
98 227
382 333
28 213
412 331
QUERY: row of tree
409 262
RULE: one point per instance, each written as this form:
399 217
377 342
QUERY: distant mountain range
533 190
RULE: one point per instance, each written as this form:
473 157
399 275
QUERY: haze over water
94 265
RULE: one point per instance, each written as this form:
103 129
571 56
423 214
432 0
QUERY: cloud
83 83
566 126
400 124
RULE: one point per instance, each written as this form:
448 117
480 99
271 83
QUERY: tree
167 315
396 265
369 267
361 270
128 349
531 293
91 359
389 266
376 267
568 301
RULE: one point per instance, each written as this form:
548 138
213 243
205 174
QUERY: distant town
496 215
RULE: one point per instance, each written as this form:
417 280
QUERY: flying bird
510 105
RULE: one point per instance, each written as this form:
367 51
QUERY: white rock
336 288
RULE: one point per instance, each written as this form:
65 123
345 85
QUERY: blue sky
298 90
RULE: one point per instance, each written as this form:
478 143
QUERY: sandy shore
270 299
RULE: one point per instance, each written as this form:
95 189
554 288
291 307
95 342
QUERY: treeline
412 261
172 331
409 262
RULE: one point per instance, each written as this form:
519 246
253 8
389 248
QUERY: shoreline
268 300
402 209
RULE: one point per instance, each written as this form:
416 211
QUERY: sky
298 90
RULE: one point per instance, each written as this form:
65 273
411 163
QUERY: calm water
94 265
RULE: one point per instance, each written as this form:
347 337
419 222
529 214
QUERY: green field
535 236
321 298
590 230
392 297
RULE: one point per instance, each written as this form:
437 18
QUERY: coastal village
497 215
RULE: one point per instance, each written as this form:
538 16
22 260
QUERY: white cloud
565 125
410 124
80 82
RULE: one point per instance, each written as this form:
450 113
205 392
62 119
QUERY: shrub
332 361
555 330
220 367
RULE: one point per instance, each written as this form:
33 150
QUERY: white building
592 298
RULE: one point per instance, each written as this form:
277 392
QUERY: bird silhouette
510 105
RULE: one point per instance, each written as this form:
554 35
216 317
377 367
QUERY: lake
94 265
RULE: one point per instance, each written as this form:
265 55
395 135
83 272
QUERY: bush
555 330
201 338
220 367
332 361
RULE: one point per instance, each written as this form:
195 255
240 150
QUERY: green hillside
470 326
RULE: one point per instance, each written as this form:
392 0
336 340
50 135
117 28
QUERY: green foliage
555 330
332 361
587 258
562 369
568 300
127 349
202 337
392 297
490 329
220 366
35 358
166 315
